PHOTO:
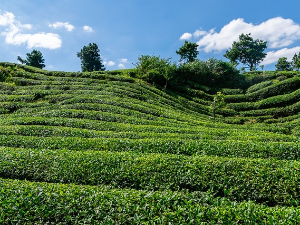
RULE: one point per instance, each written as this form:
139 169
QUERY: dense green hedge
272 182
156 144
276 112
282 87
110 75
259 86
23 202
275 101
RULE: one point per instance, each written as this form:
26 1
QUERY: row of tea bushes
230 148
24 202
275 101
268 181
283 87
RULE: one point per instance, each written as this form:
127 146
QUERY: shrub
153 69
212 72
4 74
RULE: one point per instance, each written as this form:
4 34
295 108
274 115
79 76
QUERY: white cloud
66 25
277 31
14 34
104 63
273 56
199 33
6 19
123 60
111 63
186 36
88 29
42 40
122 66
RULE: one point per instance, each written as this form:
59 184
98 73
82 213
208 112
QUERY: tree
90 58
296 61
153 69
247 51
283 65
188 52
217 103
35 59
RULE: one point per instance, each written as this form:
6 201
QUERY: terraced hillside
90 148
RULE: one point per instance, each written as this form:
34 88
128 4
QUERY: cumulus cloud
279 32
186 36
14 34
66 25
123 60
88 29
199 33
42 40
111 63
273 56
6 19
121 65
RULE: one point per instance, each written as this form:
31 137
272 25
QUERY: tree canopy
188 52
296 61
35 59
156 70
283 65
247 51
90 58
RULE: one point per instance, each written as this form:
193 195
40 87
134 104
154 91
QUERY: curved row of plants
60 203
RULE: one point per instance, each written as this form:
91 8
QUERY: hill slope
88 147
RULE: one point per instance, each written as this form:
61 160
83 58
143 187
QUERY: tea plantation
106 148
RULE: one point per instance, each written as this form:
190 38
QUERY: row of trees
163 72
284 65
247 51
212 72
89 56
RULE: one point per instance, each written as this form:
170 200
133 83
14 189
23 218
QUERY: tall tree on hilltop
283 65
247 51
35 59
188 52
296 61
90 58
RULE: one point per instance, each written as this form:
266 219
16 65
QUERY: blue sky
126 29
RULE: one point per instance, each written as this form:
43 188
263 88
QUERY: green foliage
277 88
262 67
35 59
220 176
218 102
247 51
296 61
188 52
69 204
4 74
213 73
283 65
259 86
223 73
142 155
90 58
153 69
